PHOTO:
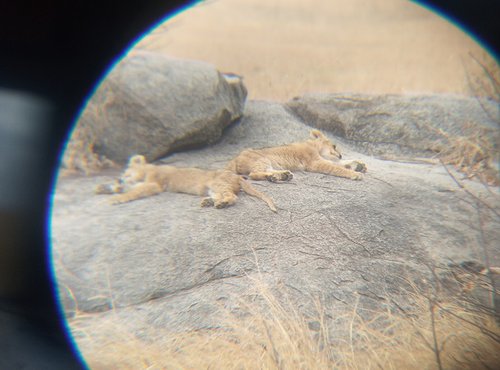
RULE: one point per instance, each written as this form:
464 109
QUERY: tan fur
141 179
314 155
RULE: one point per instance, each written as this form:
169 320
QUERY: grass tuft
476 154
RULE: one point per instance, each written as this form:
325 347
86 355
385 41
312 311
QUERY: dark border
58 50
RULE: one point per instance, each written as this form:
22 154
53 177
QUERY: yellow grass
285 48
475 156
268 333
79 155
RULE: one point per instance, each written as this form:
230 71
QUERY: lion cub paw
280 176
207 202
117 200
222 204
104 189
357 176
112 188
226 201
356 166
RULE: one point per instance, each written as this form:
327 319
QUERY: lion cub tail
250 190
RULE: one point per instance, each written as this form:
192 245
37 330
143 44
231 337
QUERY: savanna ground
285 48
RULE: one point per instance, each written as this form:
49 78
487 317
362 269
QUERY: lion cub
141 179
314 155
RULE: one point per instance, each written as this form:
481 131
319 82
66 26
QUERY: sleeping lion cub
141 179
314 155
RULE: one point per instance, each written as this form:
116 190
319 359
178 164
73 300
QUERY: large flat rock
165 262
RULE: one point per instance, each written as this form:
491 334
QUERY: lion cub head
325 147
135 171
133 174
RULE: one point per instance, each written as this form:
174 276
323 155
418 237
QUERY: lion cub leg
273 176
263 171
141 190
329 168
219 200
225 199
223 190
109 188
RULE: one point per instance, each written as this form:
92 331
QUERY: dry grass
475 153
79 155
285 48
270 333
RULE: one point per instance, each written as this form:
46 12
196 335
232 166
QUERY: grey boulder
400 125
153 105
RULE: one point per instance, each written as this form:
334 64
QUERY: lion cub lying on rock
141 179
314 155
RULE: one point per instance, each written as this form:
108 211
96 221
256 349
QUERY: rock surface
154 105
416 125
164 262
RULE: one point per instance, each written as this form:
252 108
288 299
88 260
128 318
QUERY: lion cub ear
137 160
316 134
